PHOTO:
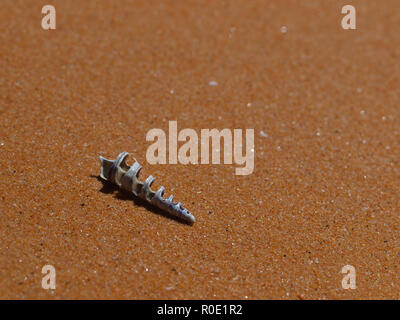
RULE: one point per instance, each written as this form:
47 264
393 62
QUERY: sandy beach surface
324 106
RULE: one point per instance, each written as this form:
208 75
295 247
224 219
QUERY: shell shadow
120 194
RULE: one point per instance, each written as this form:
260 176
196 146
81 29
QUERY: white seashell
126 177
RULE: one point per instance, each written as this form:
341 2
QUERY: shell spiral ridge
127 177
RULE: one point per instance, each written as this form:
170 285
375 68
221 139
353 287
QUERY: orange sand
325 189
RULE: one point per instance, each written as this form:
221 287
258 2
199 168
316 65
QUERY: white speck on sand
213 83
283 29
263 134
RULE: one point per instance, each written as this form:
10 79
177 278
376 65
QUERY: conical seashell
126 177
